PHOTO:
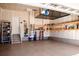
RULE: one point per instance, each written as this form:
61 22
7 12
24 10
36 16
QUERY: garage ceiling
62 6
21 7
16 6
56 10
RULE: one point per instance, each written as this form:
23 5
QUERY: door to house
16 38
39 34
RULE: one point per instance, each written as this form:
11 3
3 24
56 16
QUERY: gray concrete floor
39 48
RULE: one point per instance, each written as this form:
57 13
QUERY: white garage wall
6 14
41 22
67 34
38 21
76 34
65 19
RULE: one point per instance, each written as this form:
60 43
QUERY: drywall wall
43 22
8 15
66 34
38 21
65 19
0 12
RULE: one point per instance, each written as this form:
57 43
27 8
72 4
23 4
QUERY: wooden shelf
6 32
62 26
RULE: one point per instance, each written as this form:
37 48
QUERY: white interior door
16 36
15 25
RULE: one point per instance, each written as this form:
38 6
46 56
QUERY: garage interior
28 30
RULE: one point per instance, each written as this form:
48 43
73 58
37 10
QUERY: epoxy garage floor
39 48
